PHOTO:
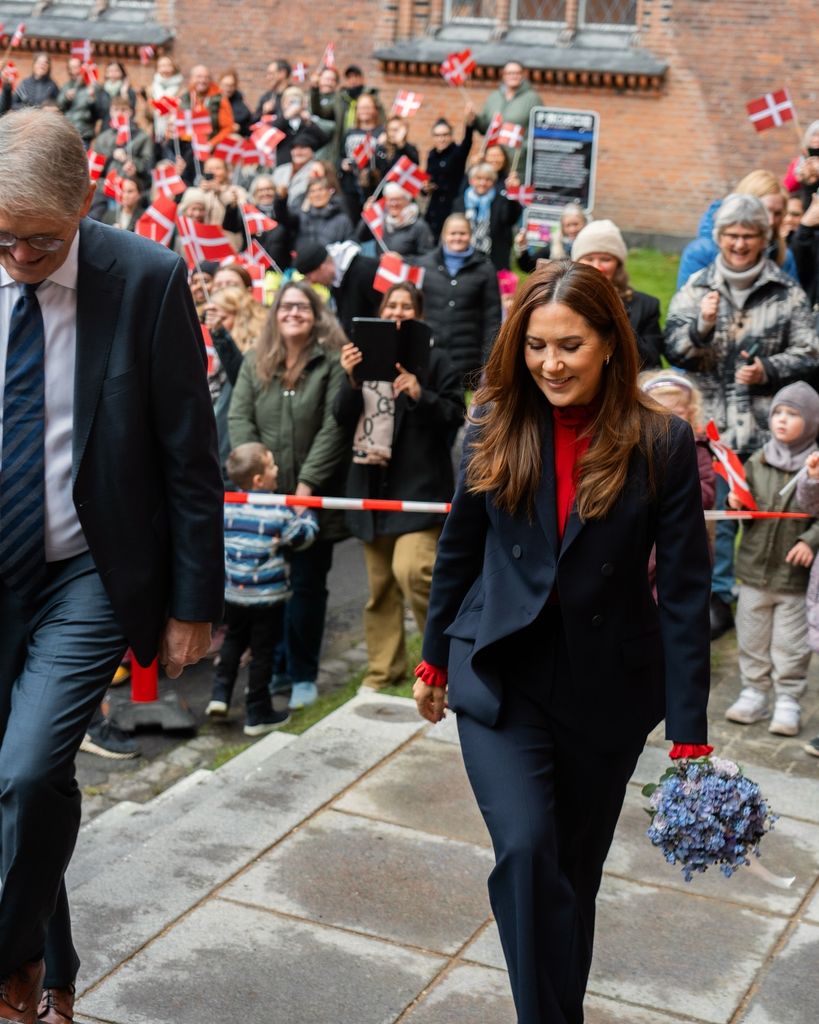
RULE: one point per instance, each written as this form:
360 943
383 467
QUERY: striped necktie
22 473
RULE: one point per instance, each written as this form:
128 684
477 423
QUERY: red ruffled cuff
690 750
431 674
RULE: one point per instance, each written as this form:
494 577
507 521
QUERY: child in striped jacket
257 583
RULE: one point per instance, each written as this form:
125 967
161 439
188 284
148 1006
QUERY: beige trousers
398 569
772 637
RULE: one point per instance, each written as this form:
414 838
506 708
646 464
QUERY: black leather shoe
722 618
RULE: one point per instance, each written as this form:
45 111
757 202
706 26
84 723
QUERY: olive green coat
298 426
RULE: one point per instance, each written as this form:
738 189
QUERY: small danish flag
299 72
191 124
10 74
364 151
267 139
374 216
255 221
458 67
408 175
493 130
510 135
203 242
96 164
82 48
728 465
771 110
231 150
328 58
523 194
158 221
165 105
17 38
255 255
90 73
112 186
121 123
406 103
167 181
146 55
393 270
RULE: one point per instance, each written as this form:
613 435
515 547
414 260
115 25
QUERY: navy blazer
146 480
631 661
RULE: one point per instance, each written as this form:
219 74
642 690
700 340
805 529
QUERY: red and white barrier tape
436 507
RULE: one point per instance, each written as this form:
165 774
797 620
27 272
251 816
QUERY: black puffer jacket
503 215
463 311
420 468
804 245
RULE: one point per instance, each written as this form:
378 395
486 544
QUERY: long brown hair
506 456
271 358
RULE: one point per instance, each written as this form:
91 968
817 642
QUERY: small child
677 394
257 583
773 562
807 498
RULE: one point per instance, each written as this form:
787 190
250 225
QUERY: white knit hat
600 236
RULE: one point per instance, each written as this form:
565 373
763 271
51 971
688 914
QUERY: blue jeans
56 660
722 574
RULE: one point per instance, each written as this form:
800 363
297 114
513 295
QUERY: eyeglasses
42 243
441 135
732 237
296 307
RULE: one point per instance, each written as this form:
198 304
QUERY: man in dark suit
110 516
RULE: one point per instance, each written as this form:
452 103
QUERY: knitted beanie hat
600 236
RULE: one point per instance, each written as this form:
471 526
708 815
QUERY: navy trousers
56 660
551 804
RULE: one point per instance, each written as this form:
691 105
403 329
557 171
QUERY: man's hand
182 644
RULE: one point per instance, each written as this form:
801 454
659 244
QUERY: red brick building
669 78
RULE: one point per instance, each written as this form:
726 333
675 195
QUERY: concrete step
220 825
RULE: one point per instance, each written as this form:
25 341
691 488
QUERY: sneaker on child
751 706
302 695
786 716
258 725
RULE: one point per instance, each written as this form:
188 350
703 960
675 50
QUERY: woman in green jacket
283 398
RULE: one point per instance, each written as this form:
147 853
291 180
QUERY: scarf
740 282
372 442
478 211
453 261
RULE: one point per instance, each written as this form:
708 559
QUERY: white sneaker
217 709
786 717
751 706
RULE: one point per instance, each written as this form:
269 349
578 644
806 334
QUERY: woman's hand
230 197
214 316
733 502
512 180
350 357
800 554
470 114
709 307
430 701
752 374
406 383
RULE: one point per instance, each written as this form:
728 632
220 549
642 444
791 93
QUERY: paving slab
812 912
486 949
677 953
789 988
408 887
424 787
135 898
226 963
791 849
467 995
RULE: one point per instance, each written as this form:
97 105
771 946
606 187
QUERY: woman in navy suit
542 623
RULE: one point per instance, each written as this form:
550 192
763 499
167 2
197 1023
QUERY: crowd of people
281 373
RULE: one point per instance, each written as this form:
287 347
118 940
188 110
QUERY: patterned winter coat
775 324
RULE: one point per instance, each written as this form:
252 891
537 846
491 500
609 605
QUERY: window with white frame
596 13
607 12
538 10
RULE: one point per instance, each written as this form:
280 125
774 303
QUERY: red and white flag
255 255
256 221
167 181
112 186
82 48
210 351
200 145
727 464
203 242
158 221
17 38
393 270
523 194
299 72
96 164
189 124
267 139
364 151
408 175
90 73
165 105
493 131
771 110
146 55
10 74
374 216
121 123
406 103
257 273
231 149
510 135
328 58
458 67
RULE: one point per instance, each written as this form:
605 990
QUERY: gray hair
43 165
748 211
484 169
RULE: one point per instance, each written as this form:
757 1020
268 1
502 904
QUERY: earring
607 359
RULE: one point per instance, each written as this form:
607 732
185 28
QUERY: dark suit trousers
551 803
55 664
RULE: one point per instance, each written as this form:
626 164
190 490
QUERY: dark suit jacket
630 659
147 485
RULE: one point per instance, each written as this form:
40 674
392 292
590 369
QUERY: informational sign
561 163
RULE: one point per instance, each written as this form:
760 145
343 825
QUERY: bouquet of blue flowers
704 811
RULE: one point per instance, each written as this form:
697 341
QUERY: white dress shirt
57 296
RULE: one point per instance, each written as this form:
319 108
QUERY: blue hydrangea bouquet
704 811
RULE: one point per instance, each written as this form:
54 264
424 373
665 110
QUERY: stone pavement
338 877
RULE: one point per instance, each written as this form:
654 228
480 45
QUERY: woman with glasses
743 329
283 397
446 164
